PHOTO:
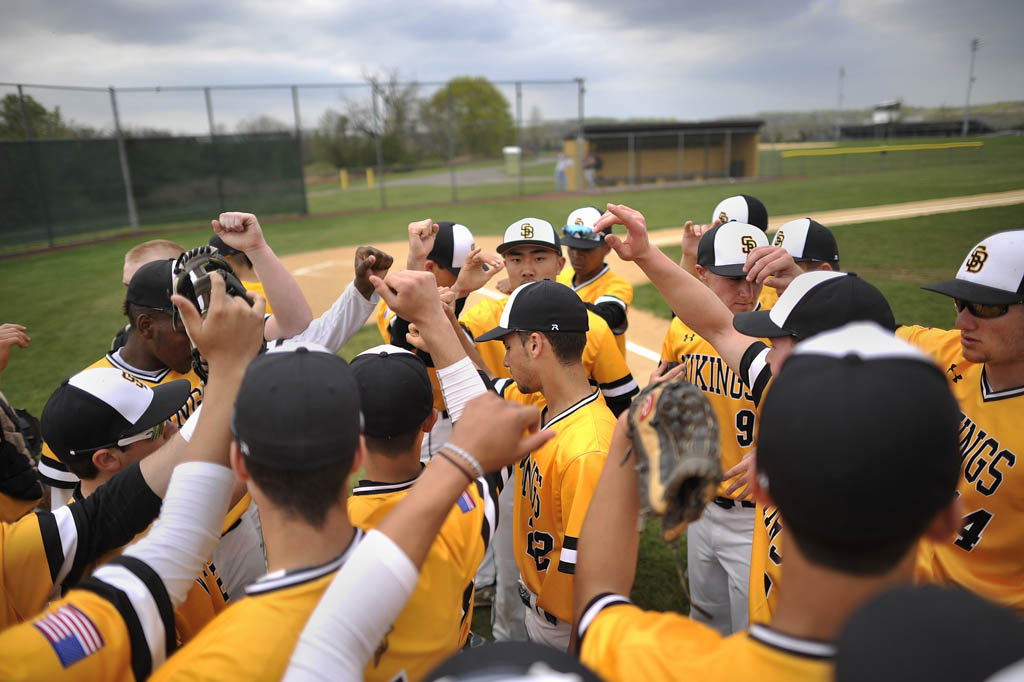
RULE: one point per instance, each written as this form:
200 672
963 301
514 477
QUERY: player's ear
238 462
429 266
702 273
947 521
759 490
561 262
428 423
536 344
144 324
106 460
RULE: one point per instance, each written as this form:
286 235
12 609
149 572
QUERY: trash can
513 160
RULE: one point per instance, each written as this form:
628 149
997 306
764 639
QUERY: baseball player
146 252
543 330
533 252
604 292
814 462
718 544
799 246
983 359
118 624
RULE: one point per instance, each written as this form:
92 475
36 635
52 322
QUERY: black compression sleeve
612 313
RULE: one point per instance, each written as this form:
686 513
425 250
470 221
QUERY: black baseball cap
815 302
151 285
499 661
452 244
297 409
530 231
98 407
807 240
723 250
992 273
543 306
394 390
579 233
848 404
222 246
923 632
742 208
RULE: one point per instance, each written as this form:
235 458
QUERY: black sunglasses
983 311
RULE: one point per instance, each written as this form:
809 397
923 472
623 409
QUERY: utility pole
839 104
970 83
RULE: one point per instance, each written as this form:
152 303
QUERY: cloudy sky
646 58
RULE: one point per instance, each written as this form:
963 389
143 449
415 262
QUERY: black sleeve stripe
81 560
570 542
753 361
142 661
595 606
467 596
624 381
486 531
156 587
51 543
564 567
487 381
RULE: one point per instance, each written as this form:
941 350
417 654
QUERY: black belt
525 596
726 503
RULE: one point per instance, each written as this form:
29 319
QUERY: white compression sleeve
342 320
189 526
359 606
460 383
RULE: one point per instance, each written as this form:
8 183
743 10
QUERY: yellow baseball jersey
731 399
604 287
765 564
253 639
987 555
385 318
55 473
620 641
554 486
768 298
257 286
602 360
435 621
12 509
34 561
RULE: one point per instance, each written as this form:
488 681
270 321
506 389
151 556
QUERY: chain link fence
76 162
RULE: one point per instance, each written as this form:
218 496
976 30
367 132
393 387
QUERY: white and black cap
723 250
543 306
452 244
579 232
807 240
742 208
97 407
815 302
529 231
992 273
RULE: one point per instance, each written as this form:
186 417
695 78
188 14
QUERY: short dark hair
392 446
83 467
876 560
567 346
307 494
133 310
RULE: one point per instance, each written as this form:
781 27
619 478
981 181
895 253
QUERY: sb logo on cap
977 260
526 230
747 243
578 221
780 237
723 217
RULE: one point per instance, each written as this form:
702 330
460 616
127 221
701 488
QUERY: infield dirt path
323 274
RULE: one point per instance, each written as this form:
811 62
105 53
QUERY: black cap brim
974 292
728 270
758 324
496 333
167 400
586 244
502 248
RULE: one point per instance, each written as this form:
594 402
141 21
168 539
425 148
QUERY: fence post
451 144
681 154
579 138
519 132
707 155
727 153
37 167
213 146
631 145
126 173
298 141
377 144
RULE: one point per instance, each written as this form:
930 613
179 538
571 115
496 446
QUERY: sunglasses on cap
983 311
150 434
583 232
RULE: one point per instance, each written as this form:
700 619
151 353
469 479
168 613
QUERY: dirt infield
323 274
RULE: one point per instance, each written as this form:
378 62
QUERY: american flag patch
71 634
465 502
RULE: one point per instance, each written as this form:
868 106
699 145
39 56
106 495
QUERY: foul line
310 269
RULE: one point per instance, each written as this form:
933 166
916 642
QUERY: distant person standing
562 164
591 164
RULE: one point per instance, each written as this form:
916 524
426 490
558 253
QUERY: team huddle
192 517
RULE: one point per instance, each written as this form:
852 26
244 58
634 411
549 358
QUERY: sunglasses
151 434
983 311
583 232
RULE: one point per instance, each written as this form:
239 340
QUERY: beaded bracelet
456 465
466 457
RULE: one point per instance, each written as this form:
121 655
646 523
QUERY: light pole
839 105
970 83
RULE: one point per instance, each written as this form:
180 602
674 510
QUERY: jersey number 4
974 526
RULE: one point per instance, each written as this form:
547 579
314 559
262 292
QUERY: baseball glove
674 435
191 274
